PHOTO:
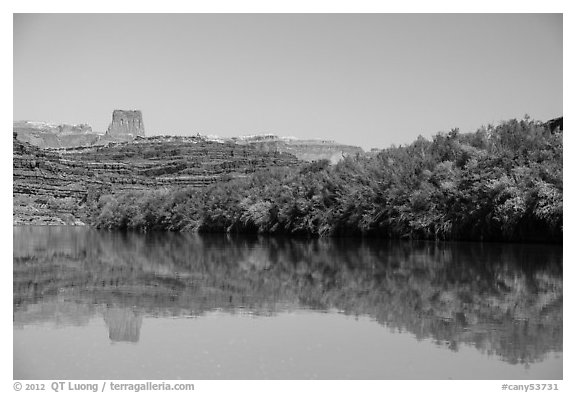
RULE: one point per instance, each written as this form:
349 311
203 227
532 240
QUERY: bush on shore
499 183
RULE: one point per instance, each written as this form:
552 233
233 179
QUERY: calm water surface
107 305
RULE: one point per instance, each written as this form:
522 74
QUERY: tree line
501 183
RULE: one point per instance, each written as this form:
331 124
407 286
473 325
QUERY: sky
370 80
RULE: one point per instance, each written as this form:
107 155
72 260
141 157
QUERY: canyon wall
128 125
125 126
53 186
55 135
304 149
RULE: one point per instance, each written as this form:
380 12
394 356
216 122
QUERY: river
108 305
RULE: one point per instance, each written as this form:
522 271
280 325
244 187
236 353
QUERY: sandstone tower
126 123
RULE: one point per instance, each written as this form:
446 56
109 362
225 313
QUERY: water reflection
123 324
503 300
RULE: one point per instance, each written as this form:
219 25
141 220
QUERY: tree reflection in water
503 299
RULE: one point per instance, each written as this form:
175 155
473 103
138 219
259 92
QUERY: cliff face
126 124
57 167
55 135
52 186
46 190
303 149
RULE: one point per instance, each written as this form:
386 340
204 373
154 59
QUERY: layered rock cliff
52 186
56 168
304 149
128 125
55 135
125 126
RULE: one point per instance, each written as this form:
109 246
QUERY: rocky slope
304 149
52 186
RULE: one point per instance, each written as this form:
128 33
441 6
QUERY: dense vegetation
499 183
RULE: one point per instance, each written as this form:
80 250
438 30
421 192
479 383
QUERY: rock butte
56 166
128 125
52 180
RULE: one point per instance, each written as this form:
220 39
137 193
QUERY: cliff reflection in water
505 300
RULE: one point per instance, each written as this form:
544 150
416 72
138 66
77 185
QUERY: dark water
94 305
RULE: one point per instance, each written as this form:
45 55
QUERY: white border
303 6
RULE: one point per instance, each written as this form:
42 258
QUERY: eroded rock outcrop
57 167
126 124
55 135
304 149
52 186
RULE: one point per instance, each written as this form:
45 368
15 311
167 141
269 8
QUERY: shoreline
287 236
